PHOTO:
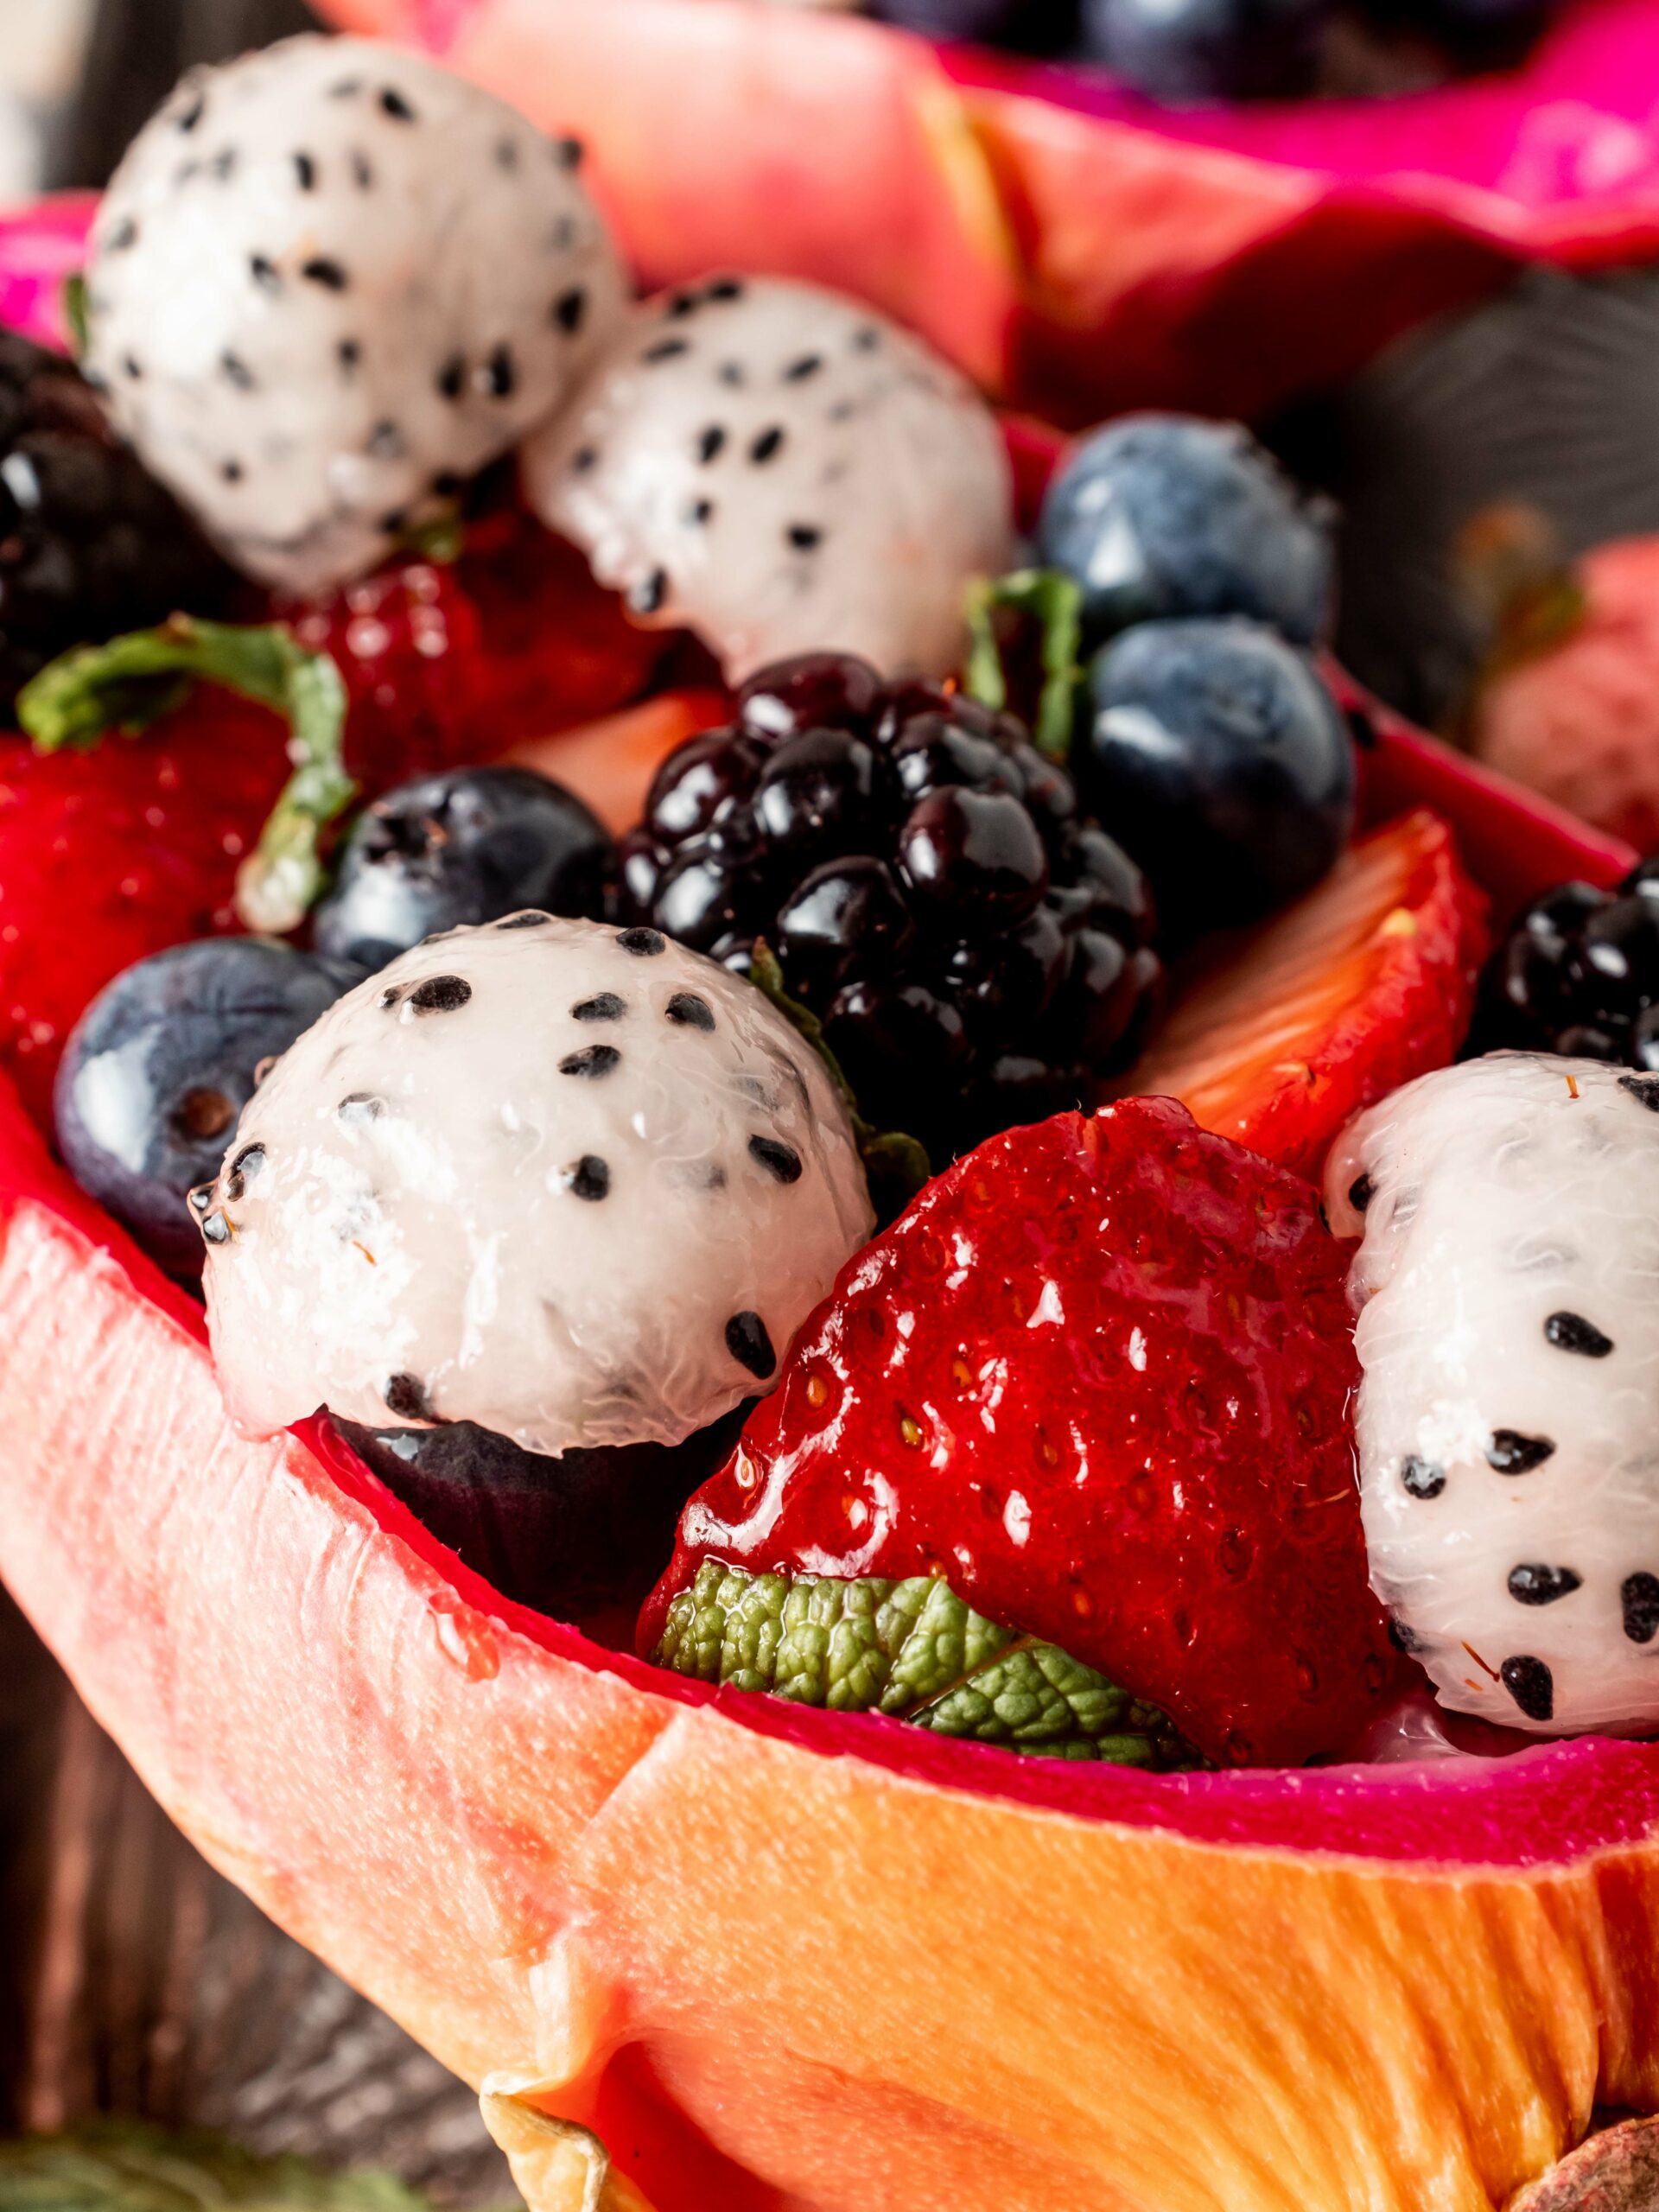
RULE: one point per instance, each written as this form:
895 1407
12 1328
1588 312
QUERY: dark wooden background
134 1980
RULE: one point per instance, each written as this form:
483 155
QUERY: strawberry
449 663
107 855
1097 1377
1572 707
1278 1038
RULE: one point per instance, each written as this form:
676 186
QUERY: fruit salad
856 1166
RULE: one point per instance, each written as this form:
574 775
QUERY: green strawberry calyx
1052 604
913 1652
128 684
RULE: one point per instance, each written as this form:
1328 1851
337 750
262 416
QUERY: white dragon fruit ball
575 1184
782 471
1508 1288
329 282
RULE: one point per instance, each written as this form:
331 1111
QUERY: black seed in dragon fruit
1508 1293
782 471
328 284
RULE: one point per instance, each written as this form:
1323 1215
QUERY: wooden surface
134 1980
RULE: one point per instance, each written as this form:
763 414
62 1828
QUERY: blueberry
1218 756
1025 26
1182 50
160 1064
466 845
1163 514
592 1526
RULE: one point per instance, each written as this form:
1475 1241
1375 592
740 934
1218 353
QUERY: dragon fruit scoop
1508 1289
328 284
577 1186
782 471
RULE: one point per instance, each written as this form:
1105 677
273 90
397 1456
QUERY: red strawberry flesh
1276 1039
1098 1377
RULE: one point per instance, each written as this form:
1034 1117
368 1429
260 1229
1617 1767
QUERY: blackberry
975 951
1579 975
90 543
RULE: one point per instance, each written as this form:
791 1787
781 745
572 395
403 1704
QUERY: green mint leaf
129 2166
895 1166
76 700
1054 603
915 1652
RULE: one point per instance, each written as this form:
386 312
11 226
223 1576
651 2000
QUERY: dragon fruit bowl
1044 1533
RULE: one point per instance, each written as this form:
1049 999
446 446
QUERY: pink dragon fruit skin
1079 251
40 246
1578 122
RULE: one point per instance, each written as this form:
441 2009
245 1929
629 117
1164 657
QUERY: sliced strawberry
1366 982
1097 1377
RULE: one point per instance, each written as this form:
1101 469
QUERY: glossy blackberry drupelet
974 949
589 1529
1019 26
1158 515
90 543
160 1066
464 847
1219 757
1579 975
1189 50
